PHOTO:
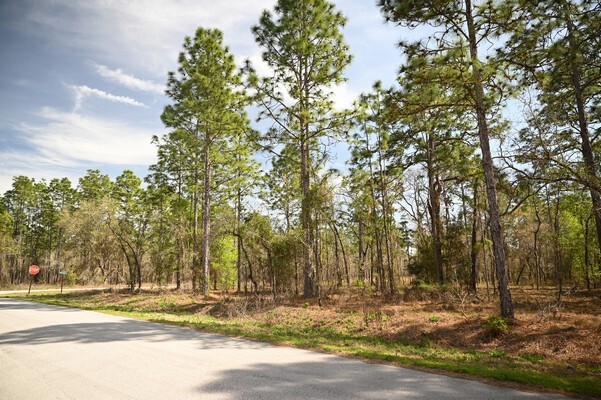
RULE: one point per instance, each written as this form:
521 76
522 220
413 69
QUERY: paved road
83 289
21 291
49 352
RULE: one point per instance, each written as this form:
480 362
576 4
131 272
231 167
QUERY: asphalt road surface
49 352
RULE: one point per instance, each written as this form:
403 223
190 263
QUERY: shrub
496 325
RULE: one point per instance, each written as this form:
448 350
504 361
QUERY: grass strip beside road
498 366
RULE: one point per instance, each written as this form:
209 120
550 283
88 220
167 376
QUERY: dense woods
480 168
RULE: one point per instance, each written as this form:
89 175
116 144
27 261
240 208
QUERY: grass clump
532 358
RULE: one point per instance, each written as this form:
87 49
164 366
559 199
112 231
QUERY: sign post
33 271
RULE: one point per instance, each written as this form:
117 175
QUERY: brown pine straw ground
568 330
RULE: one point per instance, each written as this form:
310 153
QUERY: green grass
528 369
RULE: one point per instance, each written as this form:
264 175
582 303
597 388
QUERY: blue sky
81 81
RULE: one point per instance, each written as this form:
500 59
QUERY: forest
480 168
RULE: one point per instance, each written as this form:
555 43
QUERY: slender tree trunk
316 253
59 253
195 239
308 272
375 224
474 242
344 258
238 247
138 271
586 253
250 268
132 281
180 236
557 246
385 215
434 210
206 218
537 255
180 257
361 253
506 302
337 261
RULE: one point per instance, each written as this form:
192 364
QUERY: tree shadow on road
338 378
11 304
120 331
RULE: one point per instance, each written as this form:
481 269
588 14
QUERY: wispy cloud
69 138
148 35
21 162
129 81
66 144
82 92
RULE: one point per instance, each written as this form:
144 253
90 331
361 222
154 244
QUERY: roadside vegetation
550 345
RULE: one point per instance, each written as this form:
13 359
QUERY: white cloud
145 35
69 139
344 96
81 92
129 81
25 163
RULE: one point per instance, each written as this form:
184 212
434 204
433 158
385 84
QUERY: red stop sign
34 269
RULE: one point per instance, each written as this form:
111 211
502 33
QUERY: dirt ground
565 331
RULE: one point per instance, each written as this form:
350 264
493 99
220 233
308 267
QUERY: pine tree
463 22
207 111
302 43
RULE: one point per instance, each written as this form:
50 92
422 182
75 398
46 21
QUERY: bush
496 325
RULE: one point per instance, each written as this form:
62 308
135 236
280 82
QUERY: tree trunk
238 247
496 232
375 224
206 218
250 268
338 270
474 242
586 254
318 273
138 271
308 273
195 239
344 258
434 210
385 212
537 255
557 245
361 253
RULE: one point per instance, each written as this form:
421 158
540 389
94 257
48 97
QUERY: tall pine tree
302 43
460 22
208 110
